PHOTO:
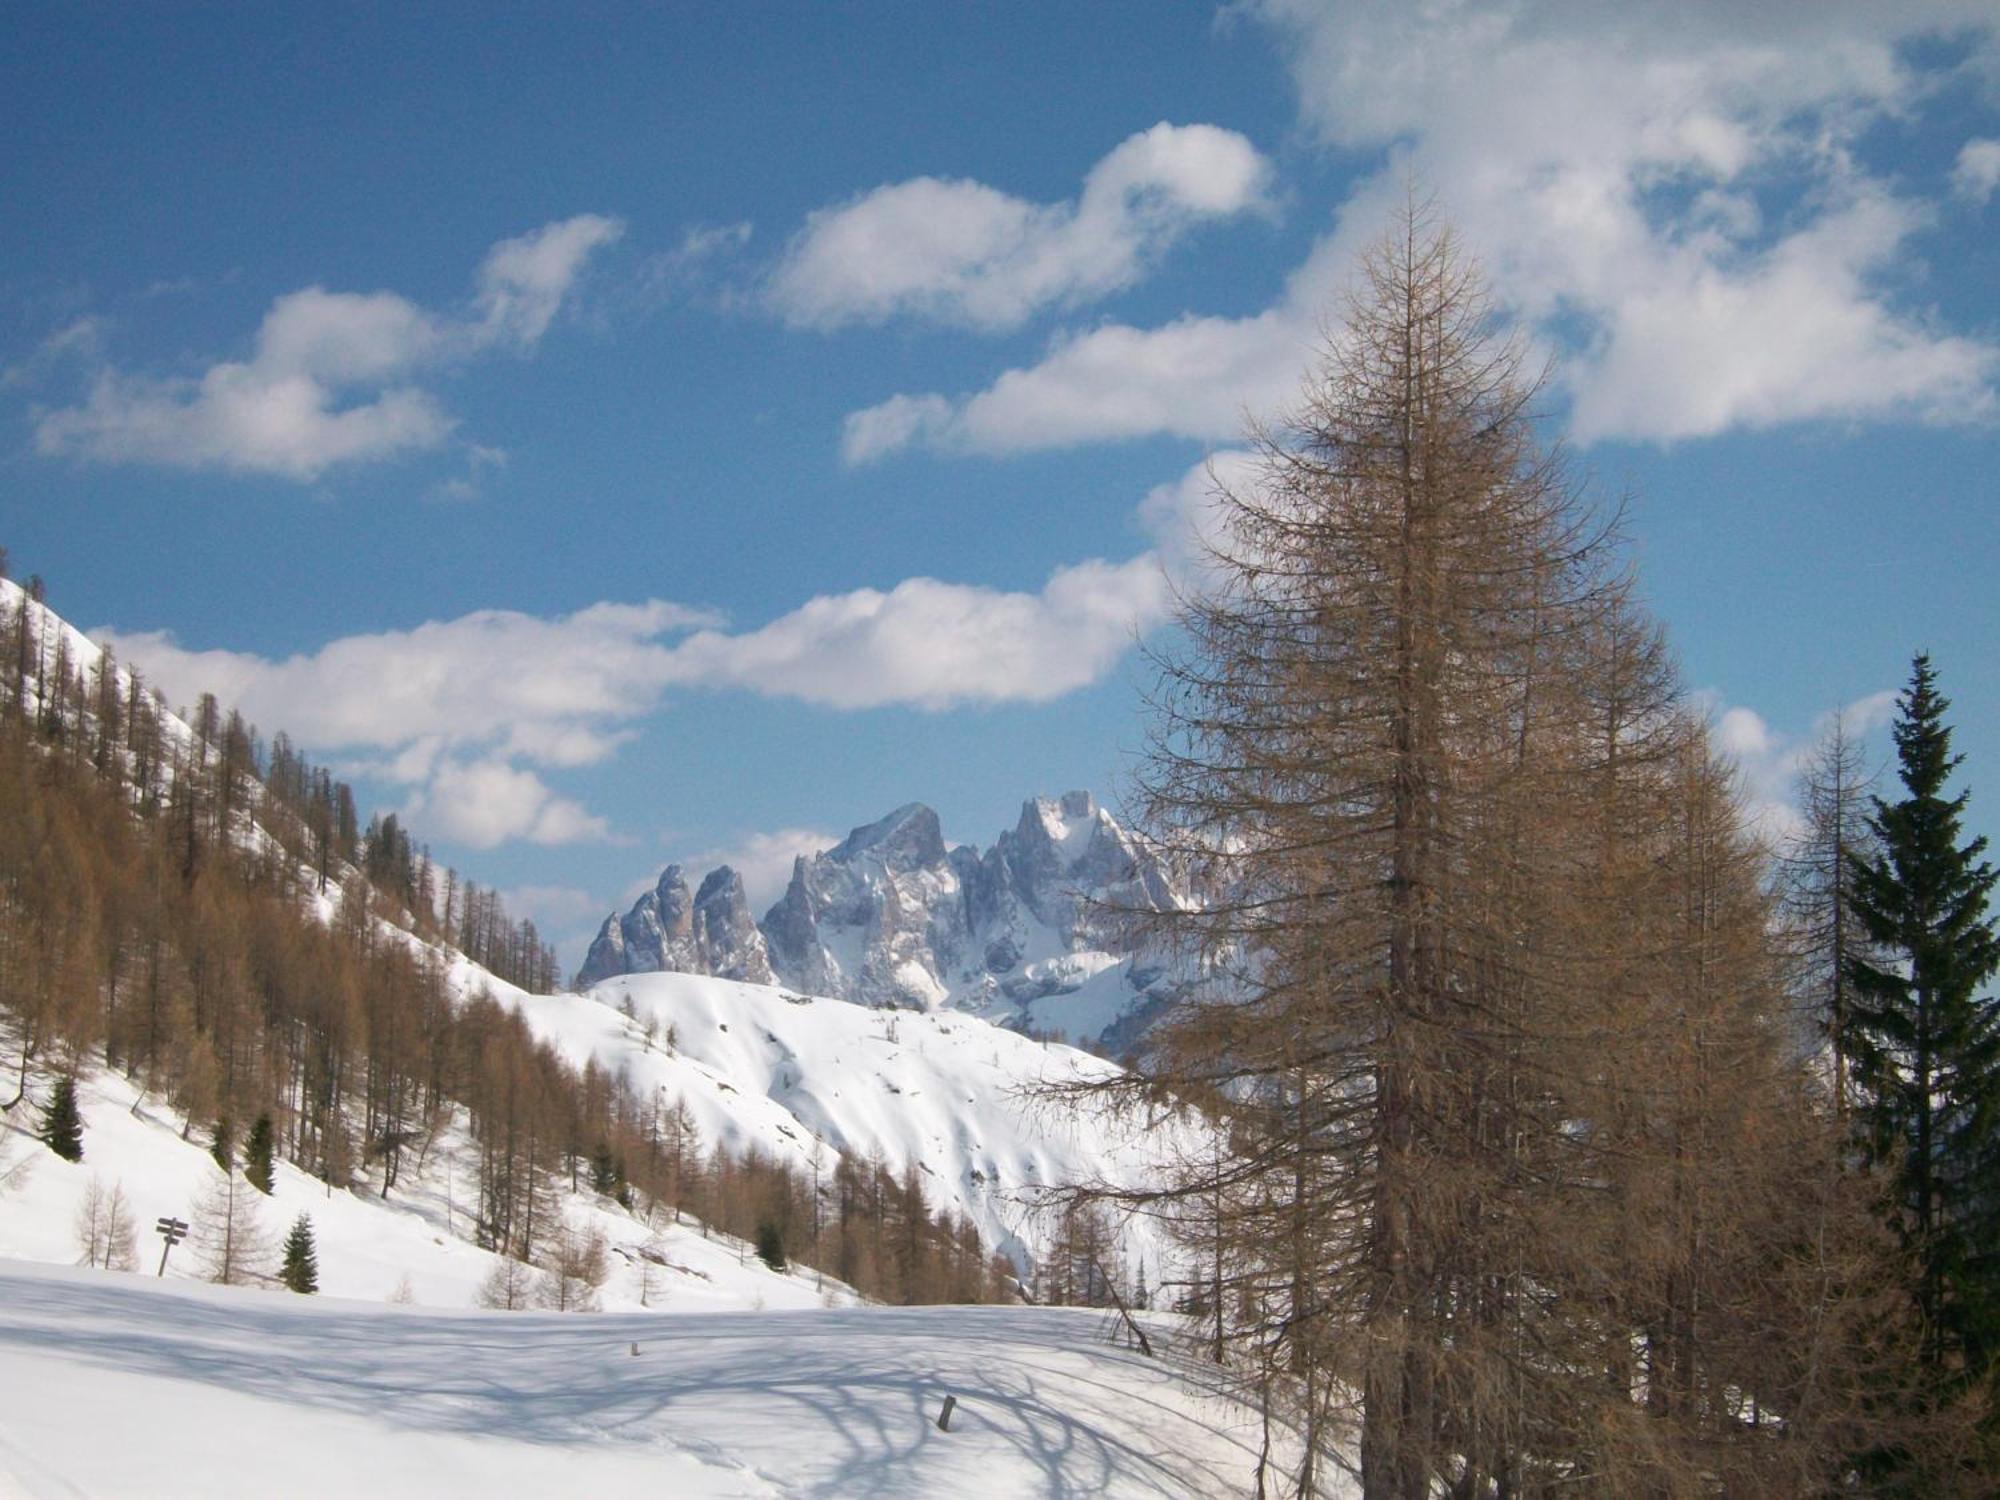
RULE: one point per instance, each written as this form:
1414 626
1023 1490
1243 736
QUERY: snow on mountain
962 1101
888 917
893 917
119 1387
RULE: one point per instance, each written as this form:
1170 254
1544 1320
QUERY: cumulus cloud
1769 760
1977 172
764 860
565 915
484 676
329 380
552 905
488 802
523 281
461 710
453 707
935 645
1186 519
78 340
688 266
1197 377
961 252
1676 199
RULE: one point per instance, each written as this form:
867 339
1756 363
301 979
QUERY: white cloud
895 424
553 907
936 645
1704 347
1673 196
459 709
239 419
1195 378
1977 171
555 691
487 802
477 679
764 860
1186 520
523 281
80 339
1769 760
670 274
961 252
328 380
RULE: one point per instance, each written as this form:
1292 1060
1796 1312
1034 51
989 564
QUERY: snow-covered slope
415 1244
954 1097
116 1387
891 916
957 1097
62 645
940 1092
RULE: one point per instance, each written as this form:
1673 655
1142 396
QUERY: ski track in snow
121 1387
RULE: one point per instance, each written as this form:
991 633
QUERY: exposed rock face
726 937
666 929
890 916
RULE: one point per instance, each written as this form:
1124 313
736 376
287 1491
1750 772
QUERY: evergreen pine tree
222 1144
300 1272
62 1124
1925 1046
257 1156
770 1245
604 1172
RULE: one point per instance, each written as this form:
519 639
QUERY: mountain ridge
1022 932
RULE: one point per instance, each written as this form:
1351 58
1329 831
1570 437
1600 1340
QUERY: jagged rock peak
908 838
891 916
727 940
709 932
722 884
670 896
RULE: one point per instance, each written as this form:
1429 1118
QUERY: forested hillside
202 913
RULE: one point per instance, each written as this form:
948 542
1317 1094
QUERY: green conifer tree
770 1245
300 1272
257 1155
62 1123
1926 1046
603 1170
222 1144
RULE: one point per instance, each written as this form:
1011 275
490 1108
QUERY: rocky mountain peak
890 916
670 896
709 932
907 839
726 935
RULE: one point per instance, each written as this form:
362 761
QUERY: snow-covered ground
122 1386
957 1097
413 1245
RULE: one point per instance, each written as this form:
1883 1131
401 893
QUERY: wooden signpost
173 1231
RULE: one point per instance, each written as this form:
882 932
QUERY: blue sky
615 436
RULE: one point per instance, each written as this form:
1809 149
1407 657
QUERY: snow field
119 1387
955 1096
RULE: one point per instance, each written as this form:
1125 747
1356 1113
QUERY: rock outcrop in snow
710 932
892 917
